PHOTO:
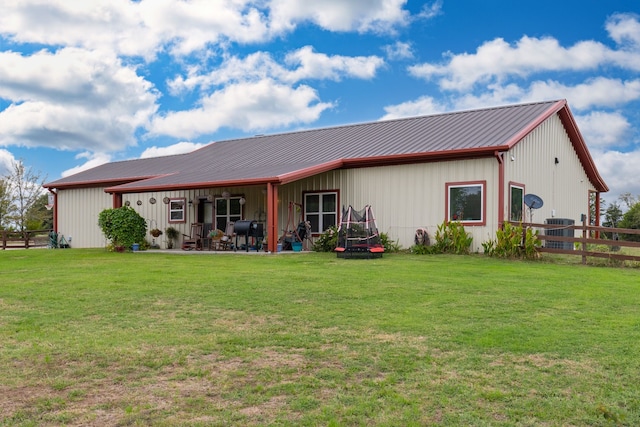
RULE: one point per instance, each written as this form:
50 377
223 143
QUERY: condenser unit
562 232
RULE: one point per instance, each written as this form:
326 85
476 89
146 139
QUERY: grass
91 337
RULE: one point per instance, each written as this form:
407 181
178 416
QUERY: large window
321 210
227 209
176 210
465 202
516 202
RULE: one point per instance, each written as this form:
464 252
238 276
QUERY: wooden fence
579 240
24 239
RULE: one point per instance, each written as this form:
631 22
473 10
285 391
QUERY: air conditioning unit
562 232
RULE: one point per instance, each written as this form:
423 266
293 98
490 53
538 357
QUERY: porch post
272 217
501 210
117 200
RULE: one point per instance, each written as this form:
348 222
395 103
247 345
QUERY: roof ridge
399 119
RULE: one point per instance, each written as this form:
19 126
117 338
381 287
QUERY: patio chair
227 239
194 240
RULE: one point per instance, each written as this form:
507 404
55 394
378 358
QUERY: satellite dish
533 202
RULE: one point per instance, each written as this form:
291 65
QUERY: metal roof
289 156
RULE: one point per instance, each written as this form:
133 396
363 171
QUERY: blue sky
83 83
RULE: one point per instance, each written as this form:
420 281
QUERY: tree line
23 200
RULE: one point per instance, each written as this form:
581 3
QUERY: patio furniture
193 240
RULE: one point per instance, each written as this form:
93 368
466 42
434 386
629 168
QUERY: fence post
584 239
4 239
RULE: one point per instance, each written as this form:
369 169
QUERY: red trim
116 200
310 171
500 187
483 184
272 217
191 185
98 182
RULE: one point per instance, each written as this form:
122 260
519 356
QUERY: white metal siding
78 212
404 197
564 187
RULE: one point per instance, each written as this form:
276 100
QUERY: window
321 210
176 210
466 202
516 202
227 210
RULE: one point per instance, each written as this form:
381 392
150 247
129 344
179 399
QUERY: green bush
513 242
123 227
452 238
389 245
327 241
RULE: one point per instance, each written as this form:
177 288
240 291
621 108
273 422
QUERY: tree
5 205
24 188
612 216
38 216
631 219
628 199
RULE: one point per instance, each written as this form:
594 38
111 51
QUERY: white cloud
320 66
422 106
304 64
251 106
616 169
432 10
399 50
93 160
6 162
496 60
624 28
178 148
144 28
340 15
72 99
602 129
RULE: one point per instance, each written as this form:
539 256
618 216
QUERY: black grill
248 228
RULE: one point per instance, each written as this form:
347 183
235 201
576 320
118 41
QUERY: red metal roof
286 157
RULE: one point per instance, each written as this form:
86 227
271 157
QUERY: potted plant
155 232
172 234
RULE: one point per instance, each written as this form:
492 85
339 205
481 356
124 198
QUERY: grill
248 228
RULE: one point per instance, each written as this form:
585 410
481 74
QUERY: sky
84 83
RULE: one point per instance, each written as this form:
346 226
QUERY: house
472 166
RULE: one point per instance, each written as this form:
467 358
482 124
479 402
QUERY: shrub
327 241
452 238
389 245
513 242
122 226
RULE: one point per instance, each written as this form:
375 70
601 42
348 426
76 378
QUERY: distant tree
612 216
38 216
631 219
628 199
5 205
24 188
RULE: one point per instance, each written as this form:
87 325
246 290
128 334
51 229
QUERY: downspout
500 188
272 217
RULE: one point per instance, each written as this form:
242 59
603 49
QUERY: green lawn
96 338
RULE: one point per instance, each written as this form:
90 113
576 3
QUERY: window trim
483 200
513 184
183 202
320 193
